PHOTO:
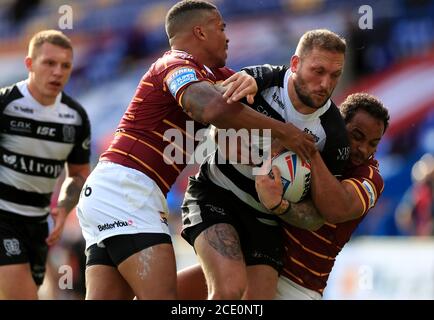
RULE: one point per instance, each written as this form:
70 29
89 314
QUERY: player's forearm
303 215
70 192
205 104
328 194
239 116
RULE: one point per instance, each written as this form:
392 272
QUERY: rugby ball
295 175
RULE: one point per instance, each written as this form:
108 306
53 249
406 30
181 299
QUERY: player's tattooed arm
303 215
76 174
205 104
70 192
71 187
197 98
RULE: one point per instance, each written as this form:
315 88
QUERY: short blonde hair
321 39
54 37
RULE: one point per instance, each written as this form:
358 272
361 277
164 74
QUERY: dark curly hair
366 102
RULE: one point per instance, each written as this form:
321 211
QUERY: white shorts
119 200
289 290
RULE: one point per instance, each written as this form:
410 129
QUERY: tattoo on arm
70 192
303 215
196 98
224 239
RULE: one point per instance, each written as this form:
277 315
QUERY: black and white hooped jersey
35 143
325 124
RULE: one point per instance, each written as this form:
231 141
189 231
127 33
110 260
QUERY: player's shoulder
222 73
73 104
333 112
9 93
268 74
334 124
169 62
174 58
332 117
369 171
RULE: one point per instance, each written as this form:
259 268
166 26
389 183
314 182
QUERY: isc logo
46 131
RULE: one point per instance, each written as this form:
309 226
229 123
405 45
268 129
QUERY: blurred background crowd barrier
116 41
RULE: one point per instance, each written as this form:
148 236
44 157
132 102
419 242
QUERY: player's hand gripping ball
295 175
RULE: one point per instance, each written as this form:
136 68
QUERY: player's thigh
16 282
35 236
151 272
262 242
103 280
147 263
219 252
191 283
208 225
106 283
16 262
262 282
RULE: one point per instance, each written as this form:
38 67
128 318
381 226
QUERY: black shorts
118 248
23 240
206 204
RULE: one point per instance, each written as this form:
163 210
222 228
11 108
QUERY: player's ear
28 63
295 61
199 32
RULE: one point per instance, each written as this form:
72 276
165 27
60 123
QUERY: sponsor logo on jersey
179 78
24 109
343 153
20 126
262 110
279 102
216 209
9 159
68 133
12 247
46 131
257 73
86 143
115 224
31 166
66 116
315 137
371 193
